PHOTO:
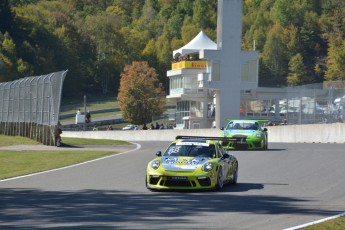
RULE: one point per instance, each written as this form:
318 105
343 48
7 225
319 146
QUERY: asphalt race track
288 185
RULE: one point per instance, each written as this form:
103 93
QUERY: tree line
299 41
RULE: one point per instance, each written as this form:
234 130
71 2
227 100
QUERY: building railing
186 91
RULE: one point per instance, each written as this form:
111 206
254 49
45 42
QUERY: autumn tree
104 33
94 40
297 71
274 56
140 96
336 61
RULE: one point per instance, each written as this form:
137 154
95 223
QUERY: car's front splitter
181 182
250 144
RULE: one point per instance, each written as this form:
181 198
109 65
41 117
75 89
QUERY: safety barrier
313 133
29 107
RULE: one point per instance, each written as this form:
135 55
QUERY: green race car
192 163
248 134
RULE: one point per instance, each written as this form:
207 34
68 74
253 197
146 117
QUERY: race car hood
183 163
238 131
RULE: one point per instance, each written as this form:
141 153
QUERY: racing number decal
174 149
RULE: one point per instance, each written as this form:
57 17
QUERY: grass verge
85 141
335 224
18 163
16 140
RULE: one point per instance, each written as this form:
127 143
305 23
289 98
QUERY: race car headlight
155 164
207 167
258 135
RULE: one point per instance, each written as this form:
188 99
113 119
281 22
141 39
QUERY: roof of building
199 42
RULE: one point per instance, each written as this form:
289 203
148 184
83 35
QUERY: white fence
30 106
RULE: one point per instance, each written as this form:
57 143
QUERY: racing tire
146 183
220 179
235 175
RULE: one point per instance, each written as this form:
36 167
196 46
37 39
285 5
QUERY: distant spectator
78 112
152 126
157 125
144 127
57 134
162 126
88 117
109 128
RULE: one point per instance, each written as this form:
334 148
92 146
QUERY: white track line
70 166
315 222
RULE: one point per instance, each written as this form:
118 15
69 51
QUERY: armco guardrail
315 133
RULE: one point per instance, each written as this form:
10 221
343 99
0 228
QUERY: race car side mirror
265 130
222 128
158 153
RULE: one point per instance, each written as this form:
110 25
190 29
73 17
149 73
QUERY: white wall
316 133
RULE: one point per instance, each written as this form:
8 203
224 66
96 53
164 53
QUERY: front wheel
220 179
146 182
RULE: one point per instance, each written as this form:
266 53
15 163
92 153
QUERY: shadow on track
90 209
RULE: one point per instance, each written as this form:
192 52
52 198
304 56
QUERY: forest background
299 41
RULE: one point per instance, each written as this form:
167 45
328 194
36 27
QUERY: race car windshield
190 151
242 126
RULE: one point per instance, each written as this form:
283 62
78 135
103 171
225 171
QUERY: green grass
85 141
16 140
335 224
18 163
71 109
98 102
121 125
107 114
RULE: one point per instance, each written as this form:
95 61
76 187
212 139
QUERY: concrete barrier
313 133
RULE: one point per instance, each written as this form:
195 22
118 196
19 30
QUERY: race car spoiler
205 138
233 119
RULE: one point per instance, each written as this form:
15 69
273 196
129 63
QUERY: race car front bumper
243 142
183 182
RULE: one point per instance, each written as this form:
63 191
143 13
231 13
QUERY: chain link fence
306 104
29 107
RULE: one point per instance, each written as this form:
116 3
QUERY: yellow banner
189 65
